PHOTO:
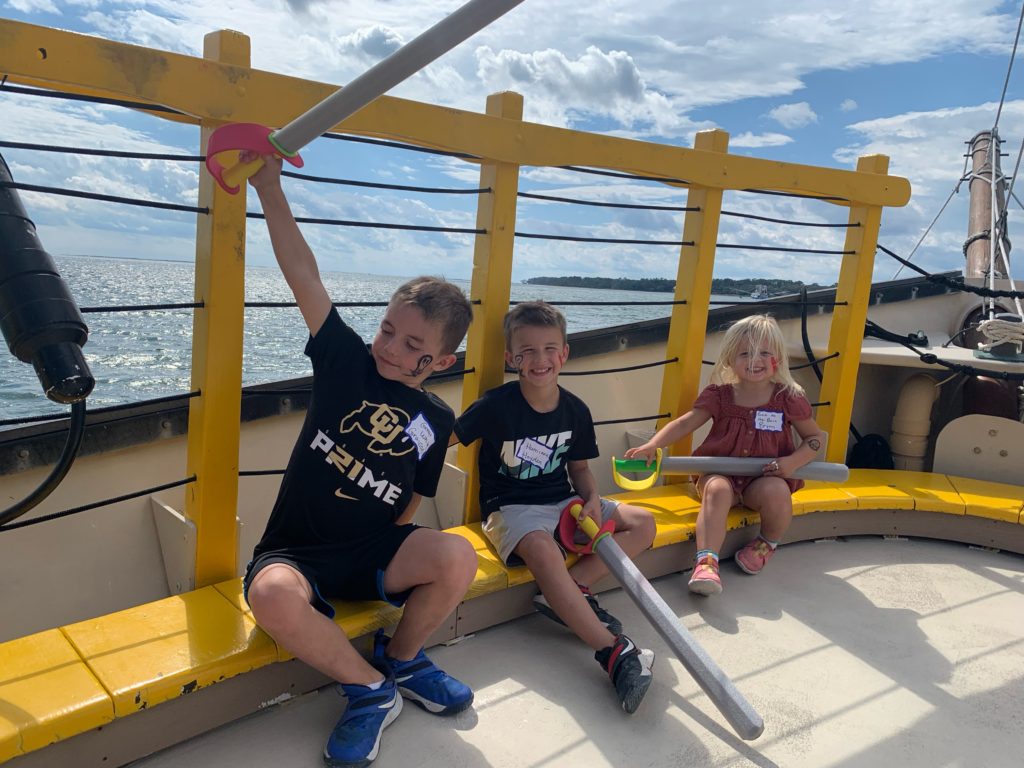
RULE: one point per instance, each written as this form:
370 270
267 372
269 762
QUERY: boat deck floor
856 652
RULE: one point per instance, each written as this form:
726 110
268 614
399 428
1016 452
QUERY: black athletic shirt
523 453
366 445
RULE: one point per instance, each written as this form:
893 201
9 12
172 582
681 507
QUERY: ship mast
978 248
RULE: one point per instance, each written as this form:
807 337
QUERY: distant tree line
724 285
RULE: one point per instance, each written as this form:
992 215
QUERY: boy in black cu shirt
536 440
372 445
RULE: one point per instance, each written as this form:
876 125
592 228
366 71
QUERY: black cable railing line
604 303
815 361
778 303
101 152
103 198
53 94
399 145
784 249
282 304
808 364
622 175
633 418
421 227
377 225
685 209
141 307
405 227
96 504
677 243
955 284
583 239
755 217
611 370
799 195
123 154
381 185
101 411
603 204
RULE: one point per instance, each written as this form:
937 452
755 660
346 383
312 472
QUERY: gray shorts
506 526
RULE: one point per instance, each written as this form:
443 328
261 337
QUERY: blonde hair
761 332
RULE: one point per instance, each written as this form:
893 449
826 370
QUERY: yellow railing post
213 424
688 323
491 286
839 378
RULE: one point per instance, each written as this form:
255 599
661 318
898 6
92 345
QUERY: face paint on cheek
421 365
775 364
517 362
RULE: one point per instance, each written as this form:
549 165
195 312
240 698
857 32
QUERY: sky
809 81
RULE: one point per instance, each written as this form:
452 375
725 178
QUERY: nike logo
341 495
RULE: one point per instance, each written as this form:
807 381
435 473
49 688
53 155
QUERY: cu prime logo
383 424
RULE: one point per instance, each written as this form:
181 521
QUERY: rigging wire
1009 68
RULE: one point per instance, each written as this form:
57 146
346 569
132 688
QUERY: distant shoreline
754 286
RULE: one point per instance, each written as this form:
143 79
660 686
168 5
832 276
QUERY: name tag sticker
768 421
533 452
421 433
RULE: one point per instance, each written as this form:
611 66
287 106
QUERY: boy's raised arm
293 254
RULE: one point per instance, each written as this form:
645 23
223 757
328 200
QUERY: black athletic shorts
355 573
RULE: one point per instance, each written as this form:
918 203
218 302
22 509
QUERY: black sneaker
629 668
612 624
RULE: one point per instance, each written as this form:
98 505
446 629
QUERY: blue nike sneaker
420 680
355 740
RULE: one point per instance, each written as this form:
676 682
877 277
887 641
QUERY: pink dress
735 429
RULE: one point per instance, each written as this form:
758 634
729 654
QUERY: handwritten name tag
421 433
768 421
533 452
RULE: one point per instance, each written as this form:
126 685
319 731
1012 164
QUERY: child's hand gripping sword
730 702
376 81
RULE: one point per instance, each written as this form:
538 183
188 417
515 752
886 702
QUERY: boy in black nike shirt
536 440
372 445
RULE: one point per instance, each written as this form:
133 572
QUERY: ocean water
146 354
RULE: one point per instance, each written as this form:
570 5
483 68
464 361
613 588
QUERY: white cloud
30 6
794 115
748 140
847 105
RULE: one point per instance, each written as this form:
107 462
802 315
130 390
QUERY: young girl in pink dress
752 402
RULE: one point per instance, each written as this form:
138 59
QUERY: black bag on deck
870 452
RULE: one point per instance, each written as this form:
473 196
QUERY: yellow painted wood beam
214 417
233 93
846 334
688 323
491 286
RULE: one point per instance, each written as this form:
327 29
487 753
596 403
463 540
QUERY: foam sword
719 688
376 81
826 471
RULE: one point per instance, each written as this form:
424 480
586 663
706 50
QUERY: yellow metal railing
222 88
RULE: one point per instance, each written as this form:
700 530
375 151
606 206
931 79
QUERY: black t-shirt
366 446
523 453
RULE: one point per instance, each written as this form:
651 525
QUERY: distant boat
760 292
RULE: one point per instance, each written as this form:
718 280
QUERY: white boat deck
858 652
